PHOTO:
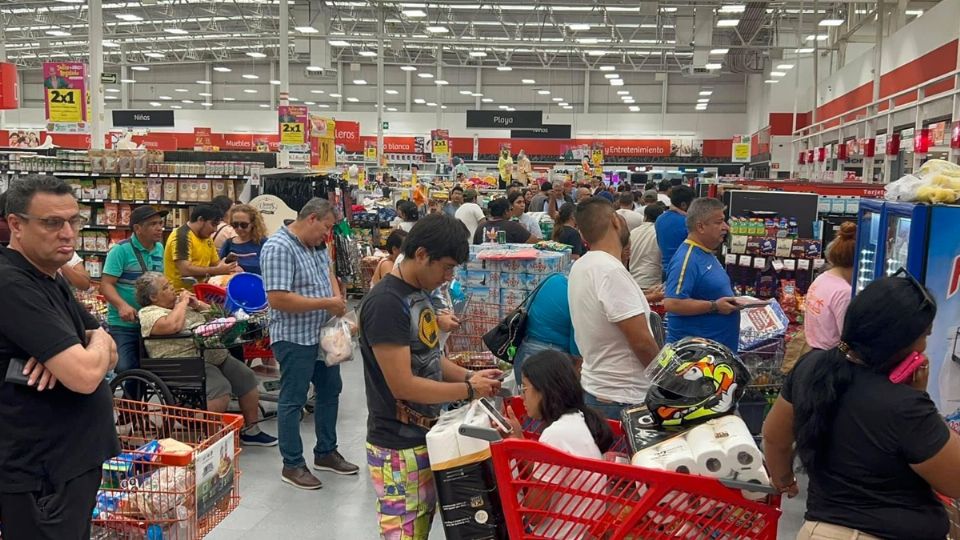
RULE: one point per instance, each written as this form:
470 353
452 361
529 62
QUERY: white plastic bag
336 339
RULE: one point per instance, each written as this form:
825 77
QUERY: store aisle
344 508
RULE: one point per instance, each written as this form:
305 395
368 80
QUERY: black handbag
504 338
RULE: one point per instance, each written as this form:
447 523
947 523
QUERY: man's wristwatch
713 307
468 375
469 389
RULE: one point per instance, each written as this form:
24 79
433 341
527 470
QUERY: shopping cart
765 364
532 428
477 319
176 492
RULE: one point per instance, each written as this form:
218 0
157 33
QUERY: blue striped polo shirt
122 264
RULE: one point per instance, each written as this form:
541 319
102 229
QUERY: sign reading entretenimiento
505 119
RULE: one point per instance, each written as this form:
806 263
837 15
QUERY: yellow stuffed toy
937 194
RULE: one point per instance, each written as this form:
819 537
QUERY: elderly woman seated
168 313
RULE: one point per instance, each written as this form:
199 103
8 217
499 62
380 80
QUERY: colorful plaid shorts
406 492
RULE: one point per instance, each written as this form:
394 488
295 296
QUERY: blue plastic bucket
246 291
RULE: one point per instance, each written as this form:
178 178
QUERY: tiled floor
344 508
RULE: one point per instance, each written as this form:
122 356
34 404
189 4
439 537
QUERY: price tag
760 263
777 265
818 263
784 246
803 264
738 244
745 260
790 264
730 259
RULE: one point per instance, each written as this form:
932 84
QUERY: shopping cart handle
480 432
749 486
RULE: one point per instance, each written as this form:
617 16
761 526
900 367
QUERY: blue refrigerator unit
890 235
868 243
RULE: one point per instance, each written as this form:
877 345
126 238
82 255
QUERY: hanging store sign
505 119
741 149
440 144
65 96
323 149
546 131
293 127
130 118
348 135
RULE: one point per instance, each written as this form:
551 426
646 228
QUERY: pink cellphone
906 368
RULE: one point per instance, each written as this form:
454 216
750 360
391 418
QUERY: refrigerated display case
868 243
905 236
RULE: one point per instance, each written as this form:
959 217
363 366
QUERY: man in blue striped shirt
303 296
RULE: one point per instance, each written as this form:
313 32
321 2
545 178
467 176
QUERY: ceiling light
818 37
578 26
112 90
623 92
177 31
414 13
338 43
254 54
616 82
264 105
596 53
504 68
784 67
528 81
443 106
109 43
323 106
465 92
368 54
431 104
562 104
608 68
543 92
222 69
703 100
229 99
129 17
804 50
701 107
568 107
719 51
352 100
359 82
391 91
309 102
487 100
250 76
668 9
713 66
176 106
706 92
317 92
771 81
127 81
503 107
478 54
913 12
204 82
408 68
391 109
419 101
110 97
727 23
165 98
181 90
557 99
153 55
438 29
249 91
155 104
306 30
440 82
335 95
205 94
634 108
733 8
831 22
511 109
207 104
187 101
629 101
611 75
140 68
425 75
314 69
58 33
588 40
778 74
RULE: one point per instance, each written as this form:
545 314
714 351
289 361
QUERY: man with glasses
56 412
190 252
127 261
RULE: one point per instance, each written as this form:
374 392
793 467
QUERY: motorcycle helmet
694 380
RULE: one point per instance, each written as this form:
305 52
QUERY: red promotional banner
396 145
158 141
202 138
348 134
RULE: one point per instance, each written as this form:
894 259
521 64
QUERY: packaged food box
546 263
510 299
154 189
126 189
511 280
482 278
479 264
203 191
105 189
487 295
125 214
531 281
170 189
89 241
139 188
515 266
103 241
218 188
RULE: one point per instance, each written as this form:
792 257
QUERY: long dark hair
551 373
563 216
882 321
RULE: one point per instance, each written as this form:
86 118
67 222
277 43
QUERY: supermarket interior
515 270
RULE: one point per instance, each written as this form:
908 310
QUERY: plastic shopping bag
336 339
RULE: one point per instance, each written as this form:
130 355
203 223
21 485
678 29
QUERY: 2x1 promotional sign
293 121
65 96
505 119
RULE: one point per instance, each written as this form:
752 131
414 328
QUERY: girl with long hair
565 230
251 233
829 294
876 452
385 266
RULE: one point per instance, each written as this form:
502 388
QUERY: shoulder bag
504 338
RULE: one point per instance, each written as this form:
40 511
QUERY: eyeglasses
55 224
240 224
927 299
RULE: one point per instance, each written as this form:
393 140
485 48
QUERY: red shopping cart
465 345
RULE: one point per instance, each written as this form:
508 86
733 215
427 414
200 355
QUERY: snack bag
336 339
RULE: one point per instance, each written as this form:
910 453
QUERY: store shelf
145 201
133 175
115 228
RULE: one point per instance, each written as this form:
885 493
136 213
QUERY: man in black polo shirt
499 221
56 428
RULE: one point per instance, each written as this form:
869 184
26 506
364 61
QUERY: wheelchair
180 382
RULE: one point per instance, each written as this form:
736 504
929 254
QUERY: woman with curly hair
251 234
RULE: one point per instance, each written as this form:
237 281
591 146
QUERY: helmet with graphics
694 380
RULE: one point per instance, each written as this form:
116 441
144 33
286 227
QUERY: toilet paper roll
757 476
706 451
737 443
646 460
672 455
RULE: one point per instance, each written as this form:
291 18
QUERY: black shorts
53 513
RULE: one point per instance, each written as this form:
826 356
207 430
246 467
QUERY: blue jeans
299 366
610 409
529 347
128 356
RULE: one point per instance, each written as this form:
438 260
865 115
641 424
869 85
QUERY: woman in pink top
829 295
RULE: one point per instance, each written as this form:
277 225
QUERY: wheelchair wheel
141 385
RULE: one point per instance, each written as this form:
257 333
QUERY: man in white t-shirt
609 314
633 219
645 257
470 212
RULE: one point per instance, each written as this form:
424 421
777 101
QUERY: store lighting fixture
701 107
323 106
140 68
528 81
611 75
576 27
831 22
110 44
165 98
57 33
207 104
414 13
634 108
616 82
250 76
510 109
543 92
368 54
703 100
317 92
176 31
110 97
338 43
155 104
391 109
608 68
306 30
255 54
129 17
440 82
784 67
249 91
419 101
504 68
628 96
181 90
733 8
336 95
229 99
668 9
588 40
443 106
629 101
112 90
804 50
176 107
431 104
205 94
127 81
359 82
713 66
623 92
818 37
293 99
727 23
719 51
486 100
222 69
465 92
187 101
153 55
478 54
569 107
353 100
503 107
408 68
438 29
778 73
315 69
557 99
706 92
391 91
309 102
425 75
596 53
913 12
264 105
562 104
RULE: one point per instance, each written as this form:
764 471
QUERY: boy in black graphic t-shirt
407 377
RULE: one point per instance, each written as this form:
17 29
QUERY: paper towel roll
756 476
710 457
737 442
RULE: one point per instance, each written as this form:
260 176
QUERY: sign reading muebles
142 118
505 119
